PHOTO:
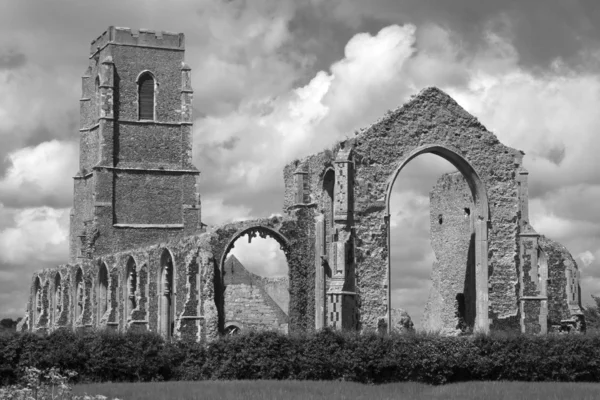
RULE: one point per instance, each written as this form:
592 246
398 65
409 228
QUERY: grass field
309 390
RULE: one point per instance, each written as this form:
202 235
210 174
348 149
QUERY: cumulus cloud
40 175
262 257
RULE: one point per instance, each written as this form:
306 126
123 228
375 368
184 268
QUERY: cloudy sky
295 76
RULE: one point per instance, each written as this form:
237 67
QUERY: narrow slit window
146 97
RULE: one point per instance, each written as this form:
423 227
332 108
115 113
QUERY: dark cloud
12 59
540 29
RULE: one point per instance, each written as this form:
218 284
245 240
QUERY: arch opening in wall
79 295
166 290
255 276
233 328
57 299
130 289
457 300
146 96
37 300
102 291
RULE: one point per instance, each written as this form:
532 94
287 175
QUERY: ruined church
141 258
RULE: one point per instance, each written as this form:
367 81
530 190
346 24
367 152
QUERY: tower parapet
139 37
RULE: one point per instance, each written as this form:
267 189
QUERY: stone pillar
341 295
533 302
320 265
106 74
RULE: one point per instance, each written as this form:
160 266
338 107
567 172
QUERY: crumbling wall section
429 119
564 300
451 305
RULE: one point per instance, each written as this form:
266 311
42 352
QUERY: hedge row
104 356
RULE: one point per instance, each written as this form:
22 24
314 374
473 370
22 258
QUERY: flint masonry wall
450 307
247 303
431 118
137 184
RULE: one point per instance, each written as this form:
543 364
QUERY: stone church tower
136 183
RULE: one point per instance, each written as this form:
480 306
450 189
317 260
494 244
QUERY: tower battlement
138 37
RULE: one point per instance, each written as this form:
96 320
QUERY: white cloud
216 212
39 236
587 258
40 175
263 257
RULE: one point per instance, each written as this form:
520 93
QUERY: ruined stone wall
248 307
450 307
196 314
431 118
277 288
556 273
564 301
247 304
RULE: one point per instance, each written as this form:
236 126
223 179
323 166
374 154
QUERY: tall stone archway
270 314
480 202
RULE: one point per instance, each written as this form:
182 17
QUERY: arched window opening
255 276
130 288
57 299
79 294
432 234
166 309
102 294
37 300
146 89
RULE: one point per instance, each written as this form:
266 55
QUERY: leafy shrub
44 385
325 355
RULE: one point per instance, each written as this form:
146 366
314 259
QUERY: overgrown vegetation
592 316
368 358
45 385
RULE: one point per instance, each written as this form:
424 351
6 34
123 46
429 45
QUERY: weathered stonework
140 257
248 305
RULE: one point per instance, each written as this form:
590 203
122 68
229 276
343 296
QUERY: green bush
326 355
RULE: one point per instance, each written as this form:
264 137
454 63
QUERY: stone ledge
149 226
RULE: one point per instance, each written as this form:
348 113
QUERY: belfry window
146 96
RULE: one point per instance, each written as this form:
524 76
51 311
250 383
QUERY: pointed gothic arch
130 289
37 300
166 294
102 292
57 299
78 295
481 208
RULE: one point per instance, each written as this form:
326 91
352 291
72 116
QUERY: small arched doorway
481 217
166 303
